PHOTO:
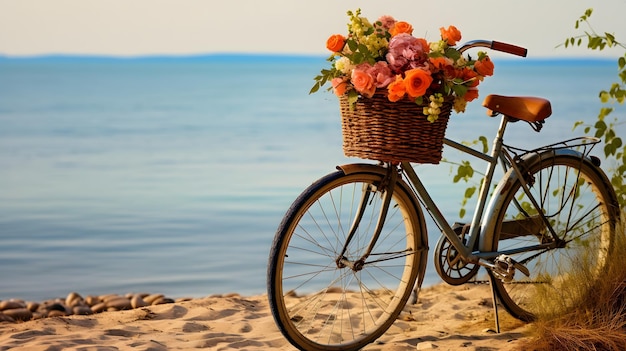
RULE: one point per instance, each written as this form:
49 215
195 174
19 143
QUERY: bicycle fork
386 186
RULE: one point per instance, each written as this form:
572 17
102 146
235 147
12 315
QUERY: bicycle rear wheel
581 206
319 304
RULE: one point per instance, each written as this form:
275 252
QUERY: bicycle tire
581 206
316 304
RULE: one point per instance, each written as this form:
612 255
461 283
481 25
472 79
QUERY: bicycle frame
481 224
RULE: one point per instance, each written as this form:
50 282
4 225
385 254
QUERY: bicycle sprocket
448 261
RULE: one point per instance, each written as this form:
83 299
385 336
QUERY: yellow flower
459 104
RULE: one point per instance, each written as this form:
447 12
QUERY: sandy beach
445 318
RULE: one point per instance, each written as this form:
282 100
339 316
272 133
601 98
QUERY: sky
190 27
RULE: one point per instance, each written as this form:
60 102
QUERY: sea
171 174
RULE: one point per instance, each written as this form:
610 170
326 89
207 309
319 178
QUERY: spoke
391 256
321 231
324 251
312 275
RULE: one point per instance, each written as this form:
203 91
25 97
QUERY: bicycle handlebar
495 45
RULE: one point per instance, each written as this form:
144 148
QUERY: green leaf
357 58
605 111
617 142
362 48
605 97
353 96
315 88
600 128
469 192
353 45
610 39
609 150
483 139
576 124
610 134
453 53
459 89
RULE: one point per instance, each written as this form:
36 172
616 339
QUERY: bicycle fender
497 200
370 168
362 167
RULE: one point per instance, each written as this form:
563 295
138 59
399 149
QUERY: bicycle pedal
505 267
520 267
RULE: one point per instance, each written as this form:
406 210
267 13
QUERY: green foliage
324 76
614 148
465 172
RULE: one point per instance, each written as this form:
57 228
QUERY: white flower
344 65
438 46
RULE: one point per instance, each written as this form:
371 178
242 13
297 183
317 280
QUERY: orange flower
401 27
470 95
339 86
417 82
363 82
335 42
470 76
396 89
450 35
440 62
424 44
484 67
443 65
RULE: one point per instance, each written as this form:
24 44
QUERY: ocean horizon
171 174
263 57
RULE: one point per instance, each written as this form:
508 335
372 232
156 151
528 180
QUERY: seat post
496 150
504 120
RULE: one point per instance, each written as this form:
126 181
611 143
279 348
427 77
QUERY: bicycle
352 248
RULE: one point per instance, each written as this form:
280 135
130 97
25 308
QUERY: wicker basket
378 129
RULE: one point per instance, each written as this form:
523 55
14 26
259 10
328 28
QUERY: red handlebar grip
509 48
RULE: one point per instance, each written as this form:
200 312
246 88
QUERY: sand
445 318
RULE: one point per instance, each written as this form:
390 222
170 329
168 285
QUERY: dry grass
599 321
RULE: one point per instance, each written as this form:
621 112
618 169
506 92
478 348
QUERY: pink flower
381 73
406 52
387 21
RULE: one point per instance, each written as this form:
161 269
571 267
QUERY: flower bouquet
396 91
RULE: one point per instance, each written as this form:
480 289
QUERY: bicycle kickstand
495 302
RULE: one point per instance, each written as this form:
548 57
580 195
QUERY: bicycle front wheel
321 304
578 202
